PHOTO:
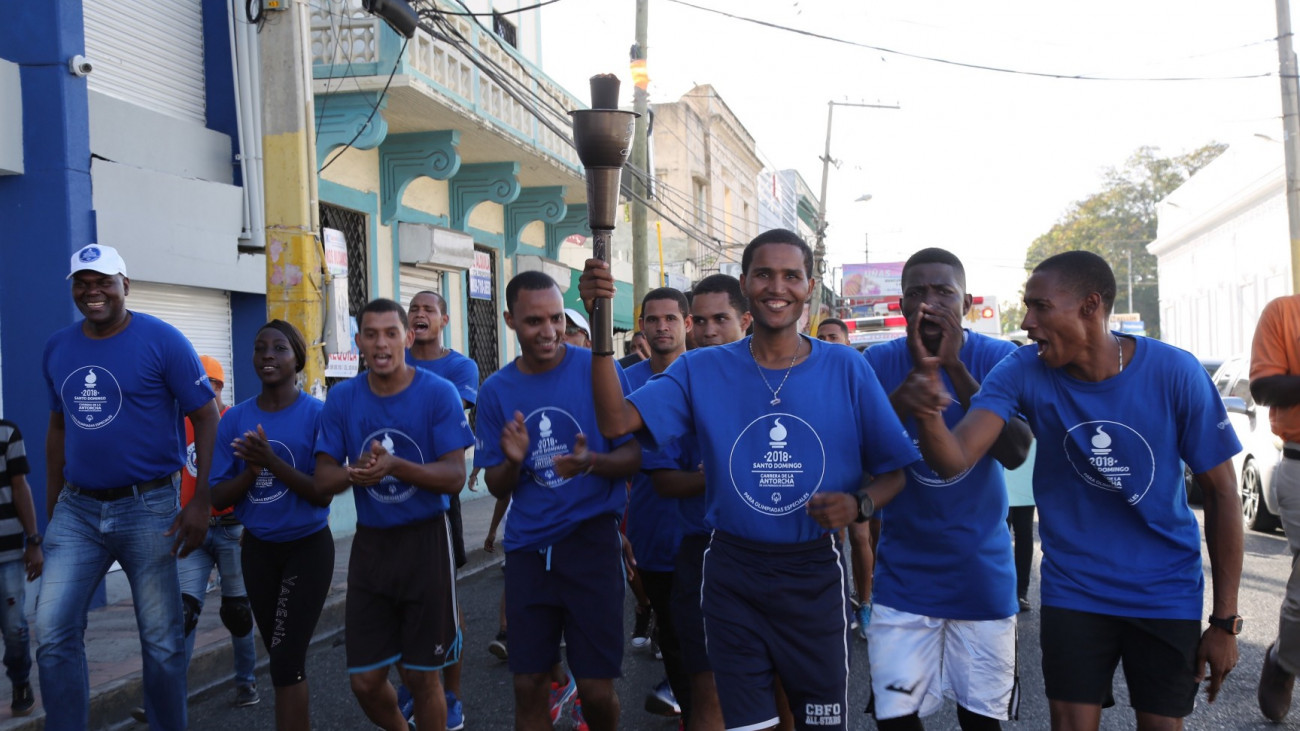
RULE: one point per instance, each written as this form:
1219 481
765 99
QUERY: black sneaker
498 646
23 700
641 632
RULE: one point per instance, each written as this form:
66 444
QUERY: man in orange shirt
1275 383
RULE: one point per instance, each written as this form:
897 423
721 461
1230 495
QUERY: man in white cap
576 330
119 384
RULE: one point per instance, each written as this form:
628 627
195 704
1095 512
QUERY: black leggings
287 584
1021 520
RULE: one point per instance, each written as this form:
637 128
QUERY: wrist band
602 352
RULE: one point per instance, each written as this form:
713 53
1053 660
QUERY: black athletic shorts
401 602
1081 651
688 577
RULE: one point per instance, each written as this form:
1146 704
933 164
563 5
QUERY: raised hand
578 462
514 439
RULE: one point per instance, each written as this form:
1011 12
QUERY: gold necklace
776 399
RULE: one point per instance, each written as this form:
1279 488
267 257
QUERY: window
701 206
504 28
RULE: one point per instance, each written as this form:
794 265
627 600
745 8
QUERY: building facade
1222 250
443 164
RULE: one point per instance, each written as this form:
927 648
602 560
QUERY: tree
1119 221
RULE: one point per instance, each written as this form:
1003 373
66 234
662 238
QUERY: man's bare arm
54 462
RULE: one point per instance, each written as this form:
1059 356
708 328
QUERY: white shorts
918 661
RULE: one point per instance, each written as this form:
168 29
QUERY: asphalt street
489 703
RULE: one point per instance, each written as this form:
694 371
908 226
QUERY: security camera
80 66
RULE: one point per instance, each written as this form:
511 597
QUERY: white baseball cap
97 258
577 319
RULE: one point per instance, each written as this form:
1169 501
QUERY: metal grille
483 335
353 226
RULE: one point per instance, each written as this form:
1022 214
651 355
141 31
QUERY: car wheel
1253 507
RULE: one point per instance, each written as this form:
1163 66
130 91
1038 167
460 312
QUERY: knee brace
237 615
192 608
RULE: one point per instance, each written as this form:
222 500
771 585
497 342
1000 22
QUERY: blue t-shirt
684 455
557 406
270 510
1118 537
653 527
124 400
420 424
460 370
764 461
945 550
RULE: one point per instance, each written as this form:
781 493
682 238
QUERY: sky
975 161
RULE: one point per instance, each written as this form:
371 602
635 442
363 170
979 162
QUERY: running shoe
246 695
575 716
406 704
498 646
863 616
644 622
455 713
562 695
23 699
1024 605
661 701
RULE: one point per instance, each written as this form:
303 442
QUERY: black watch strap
1231 624
866 508
35 539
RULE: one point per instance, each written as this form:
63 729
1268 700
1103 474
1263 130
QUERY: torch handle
602 310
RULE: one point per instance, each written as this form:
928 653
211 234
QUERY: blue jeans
83 539
220 549
13 623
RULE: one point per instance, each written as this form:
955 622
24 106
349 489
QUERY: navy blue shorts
574 588
774 609
687 617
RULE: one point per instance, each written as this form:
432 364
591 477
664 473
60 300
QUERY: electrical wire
962 64
504 12
373 111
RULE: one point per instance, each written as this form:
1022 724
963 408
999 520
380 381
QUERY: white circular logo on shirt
1113 457
91 396
265 489
777 464
553 432
922 473
397 443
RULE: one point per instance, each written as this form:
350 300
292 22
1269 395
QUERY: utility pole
294 277
819 249
1291 130
640 156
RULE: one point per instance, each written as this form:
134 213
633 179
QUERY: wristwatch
866 508
1231 624
35 539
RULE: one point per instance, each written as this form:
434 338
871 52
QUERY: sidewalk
113 643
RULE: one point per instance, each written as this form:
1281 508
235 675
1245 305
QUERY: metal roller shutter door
202 315
411 280
148 52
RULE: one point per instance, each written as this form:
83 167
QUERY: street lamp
819 250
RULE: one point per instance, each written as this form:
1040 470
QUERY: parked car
1261 449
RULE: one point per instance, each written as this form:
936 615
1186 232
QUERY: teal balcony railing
349 42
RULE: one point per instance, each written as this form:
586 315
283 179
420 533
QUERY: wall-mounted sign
480 276
336 251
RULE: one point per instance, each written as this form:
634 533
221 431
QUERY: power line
503 12
962 64
373 111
